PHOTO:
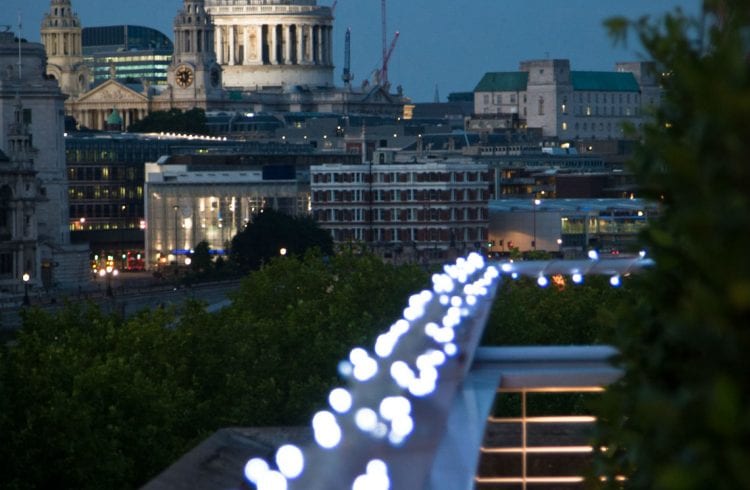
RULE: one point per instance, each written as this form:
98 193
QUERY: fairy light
406 364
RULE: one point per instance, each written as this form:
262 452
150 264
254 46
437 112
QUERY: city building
569 226
243 57
106 178
188 204
424 210
136 54
569 104
273 44
34 190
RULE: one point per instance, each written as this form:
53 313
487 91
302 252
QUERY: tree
270 232
201 258
680 419
172 121
89 400
560 314
304 315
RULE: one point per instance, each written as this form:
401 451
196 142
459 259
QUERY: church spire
193 34
62 38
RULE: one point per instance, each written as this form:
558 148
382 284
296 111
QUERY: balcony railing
416 409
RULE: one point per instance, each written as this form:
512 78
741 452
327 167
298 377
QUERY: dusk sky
450 44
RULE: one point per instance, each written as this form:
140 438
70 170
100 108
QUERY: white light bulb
272 480
254 469
340 400
366 419
290 461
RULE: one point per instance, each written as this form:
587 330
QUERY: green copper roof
592 81
509 81
604 81
114 118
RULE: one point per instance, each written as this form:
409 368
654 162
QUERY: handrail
403 414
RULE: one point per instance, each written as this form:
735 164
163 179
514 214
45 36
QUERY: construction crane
347 76
333 6
384 70
387 51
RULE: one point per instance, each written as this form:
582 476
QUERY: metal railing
414 412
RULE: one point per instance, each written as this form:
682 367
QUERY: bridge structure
415 409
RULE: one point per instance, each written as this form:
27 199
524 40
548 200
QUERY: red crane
387 52
386 58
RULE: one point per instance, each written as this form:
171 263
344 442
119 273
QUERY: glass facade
137 53
211 207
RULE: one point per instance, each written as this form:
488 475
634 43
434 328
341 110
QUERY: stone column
320 45
219 47
274 43
232 57
327 48
288 45
300 46
259 44
246 44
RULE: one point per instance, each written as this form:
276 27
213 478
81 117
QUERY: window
564 126
541 106
486 98
6 264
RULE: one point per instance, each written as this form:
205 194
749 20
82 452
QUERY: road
131 295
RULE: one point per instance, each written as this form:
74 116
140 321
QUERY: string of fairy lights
368 425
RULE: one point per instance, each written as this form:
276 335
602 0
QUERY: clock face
184 76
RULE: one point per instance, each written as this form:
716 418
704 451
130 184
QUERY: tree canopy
680 418
172 121
272 233
89 400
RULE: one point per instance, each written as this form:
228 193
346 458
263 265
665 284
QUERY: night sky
450 44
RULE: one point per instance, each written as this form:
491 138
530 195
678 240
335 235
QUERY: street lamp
176 208
26 278
536 203
108 272
282 251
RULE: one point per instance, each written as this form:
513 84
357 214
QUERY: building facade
31 133
186 205
62 40
273 43
569 226
422 210
570 104
246 56
136 54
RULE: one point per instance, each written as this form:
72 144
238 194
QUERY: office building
424 210
569 104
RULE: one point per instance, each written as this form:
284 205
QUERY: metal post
26 277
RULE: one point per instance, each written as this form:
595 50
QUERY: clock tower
194 74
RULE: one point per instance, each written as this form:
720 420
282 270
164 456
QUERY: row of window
99 174
80 192
400 215
406 235
401 177
133 210
455 195
580 97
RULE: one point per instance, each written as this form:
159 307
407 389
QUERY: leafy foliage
568 314
679 419
90 401
172 121
271 231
